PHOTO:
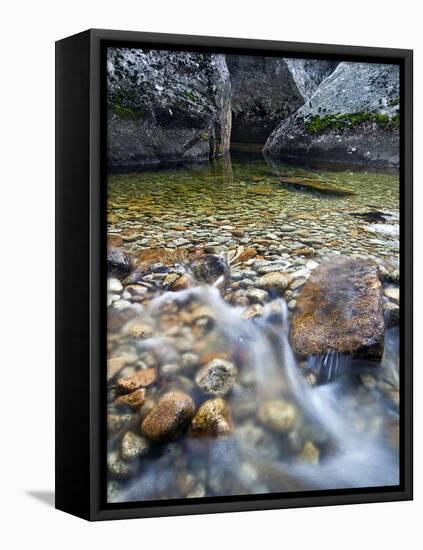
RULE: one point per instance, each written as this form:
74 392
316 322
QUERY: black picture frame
81 275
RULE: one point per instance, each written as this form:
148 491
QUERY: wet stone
217 377
340 309
278 415
118 468
141 379
257 296
256 310
133 445
140 330
209 268
213 418
134 400
274 281
169 417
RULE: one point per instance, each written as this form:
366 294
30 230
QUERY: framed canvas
234 274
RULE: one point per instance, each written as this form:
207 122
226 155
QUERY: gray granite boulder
166 106
353 116
309 73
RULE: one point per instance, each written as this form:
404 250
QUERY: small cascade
329 367
339 434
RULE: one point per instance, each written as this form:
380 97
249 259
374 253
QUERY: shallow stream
281 429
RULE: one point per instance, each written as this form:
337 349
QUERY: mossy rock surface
353 116
166 106
345 121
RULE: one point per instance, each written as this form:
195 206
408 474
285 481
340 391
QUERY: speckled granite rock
309 73
353 116
166 106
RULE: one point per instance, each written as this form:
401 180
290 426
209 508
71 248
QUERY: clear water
346 431
248 194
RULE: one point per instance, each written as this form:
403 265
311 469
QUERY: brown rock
212 418
314 185
309 454
169 417
247 254
181 283
274 280
135 292
306 251
170 278
256 310
166 256
140 379
340 309
114 365
140 330
134 399
114 240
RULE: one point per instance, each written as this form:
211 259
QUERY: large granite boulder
309 73
266 90
353 116
166 106
340 309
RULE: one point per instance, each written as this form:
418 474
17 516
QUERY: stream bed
205 394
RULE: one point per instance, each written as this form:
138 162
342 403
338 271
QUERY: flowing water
343 418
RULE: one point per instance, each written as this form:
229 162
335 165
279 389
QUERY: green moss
395 120
319 124
190 95
122 110
394 102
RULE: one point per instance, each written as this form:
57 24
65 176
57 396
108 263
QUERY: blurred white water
346 421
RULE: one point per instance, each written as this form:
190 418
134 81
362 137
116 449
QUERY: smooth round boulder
274 281
169 418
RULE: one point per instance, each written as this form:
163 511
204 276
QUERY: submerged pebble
217 377
169 418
